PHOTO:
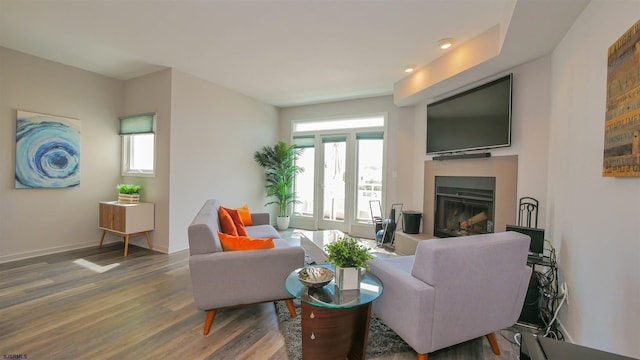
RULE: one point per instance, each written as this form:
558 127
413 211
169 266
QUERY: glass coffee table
335 324
314 243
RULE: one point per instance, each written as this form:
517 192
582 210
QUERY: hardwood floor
57 307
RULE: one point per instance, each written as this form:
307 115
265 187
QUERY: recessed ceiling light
446 43
409 68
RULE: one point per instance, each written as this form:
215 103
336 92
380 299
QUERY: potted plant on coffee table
128 193
350 258
279 164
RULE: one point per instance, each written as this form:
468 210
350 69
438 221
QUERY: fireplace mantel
503 168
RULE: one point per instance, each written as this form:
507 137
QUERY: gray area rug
382 340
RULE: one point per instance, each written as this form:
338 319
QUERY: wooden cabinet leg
126 239
148 240
126 244
102 239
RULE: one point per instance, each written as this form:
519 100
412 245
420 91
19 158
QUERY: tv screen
479 118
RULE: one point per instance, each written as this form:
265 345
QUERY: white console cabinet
126 220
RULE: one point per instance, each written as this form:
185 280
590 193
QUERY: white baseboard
48 251
83 245
567 336
162 249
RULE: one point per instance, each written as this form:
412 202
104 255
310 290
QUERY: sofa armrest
232 278
406 304
261 219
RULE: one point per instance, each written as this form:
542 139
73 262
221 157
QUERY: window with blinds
138 144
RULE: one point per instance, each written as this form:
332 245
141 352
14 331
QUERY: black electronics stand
542 260
540 302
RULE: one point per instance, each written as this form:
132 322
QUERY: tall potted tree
279 164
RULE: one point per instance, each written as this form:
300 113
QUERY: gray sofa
454 290
224 279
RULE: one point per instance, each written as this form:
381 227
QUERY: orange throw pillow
237 243
237 221
245 215
226 222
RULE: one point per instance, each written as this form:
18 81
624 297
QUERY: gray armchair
226 279
454 290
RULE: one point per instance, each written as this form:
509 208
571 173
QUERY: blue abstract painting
47 151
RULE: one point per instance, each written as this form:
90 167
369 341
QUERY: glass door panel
334 158
303 183
369 160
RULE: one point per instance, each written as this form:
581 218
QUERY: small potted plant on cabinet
350 258
279 163
128 193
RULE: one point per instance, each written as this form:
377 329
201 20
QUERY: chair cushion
262 231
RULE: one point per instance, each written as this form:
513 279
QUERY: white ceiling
282 52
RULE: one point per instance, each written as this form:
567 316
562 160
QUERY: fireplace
503 168
464 205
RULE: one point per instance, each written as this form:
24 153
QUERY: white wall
41 221
529 134
152 93
214 134
205 139
593 219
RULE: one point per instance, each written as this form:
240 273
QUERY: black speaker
530 310
462 156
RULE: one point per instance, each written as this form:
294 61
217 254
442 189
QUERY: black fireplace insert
464 205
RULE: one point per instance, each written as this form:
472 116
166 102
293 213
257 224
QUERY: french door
343 172
333 185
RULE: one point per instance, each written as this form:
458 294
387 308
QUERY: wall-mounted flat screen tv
479 118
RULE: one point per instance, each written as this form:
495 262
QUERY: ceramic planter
283 222
348 278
